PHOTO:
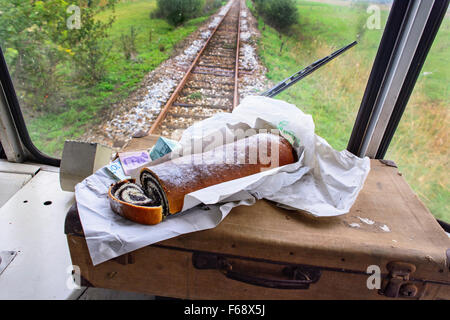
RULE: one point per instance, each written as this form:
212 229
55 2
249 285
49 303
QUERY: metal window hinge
398 283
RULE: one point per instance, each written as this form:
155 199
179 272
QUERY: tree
88 44
29 35
39 46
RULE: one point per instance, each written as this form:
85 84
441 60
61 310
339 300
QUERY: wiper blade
286 83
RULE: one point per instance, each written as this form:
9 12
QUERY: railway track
211 83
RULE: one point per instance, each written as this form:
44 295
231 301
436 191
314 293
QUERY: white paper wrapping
323 182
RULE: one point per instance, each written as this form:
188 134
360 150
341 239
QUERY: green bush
176 12
279 14
211 5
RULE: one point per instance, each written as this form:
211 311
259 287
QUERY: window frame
387 52
2 152
30 151
431 29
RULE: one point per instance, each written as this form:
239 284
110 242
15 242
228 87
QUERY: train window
79 69
420 145
332 94
72 63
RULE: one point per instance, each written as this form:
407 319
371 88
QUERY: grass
332 95
49 130
195 96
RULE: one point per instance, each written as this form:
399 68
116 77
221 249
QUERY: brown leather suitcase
264 252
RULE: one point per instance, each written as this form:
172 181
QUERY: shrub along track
211 83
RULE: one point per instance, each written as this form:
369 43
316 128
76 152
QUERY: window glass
420 146
75 65
332 94
73 62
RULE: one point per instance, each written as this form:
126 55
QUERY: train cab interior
39 257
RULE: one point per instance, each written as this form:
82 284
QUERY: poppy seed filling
132 193
149 195
151 186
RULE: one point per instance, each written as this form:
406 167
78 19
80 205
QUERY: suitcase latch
398 283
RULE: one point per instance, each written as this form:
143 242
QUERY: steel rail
183 81
236 67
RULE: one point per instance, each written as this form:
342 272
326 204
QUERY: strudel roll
163 186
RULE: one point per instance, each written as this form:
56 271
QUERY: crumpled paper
323 182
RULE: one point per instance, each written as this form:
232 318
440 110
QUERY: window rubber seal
379 69
17 116
435 19
2 152
380 66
